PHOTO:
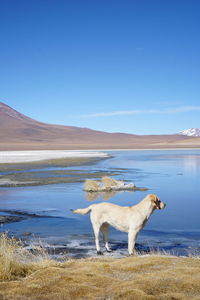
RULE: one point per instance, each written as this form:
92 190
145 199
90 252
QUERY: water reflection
92 196
107 195
191 163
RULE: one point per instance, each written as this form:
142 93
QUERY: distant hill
191 132
19 132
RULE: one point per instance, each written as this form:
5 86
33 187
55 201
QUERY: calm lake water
173 175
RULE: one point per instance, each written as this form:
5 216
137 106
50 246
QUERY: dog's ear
153 198
156 202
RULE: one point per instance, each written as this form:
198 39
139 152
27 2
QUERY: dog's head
157 204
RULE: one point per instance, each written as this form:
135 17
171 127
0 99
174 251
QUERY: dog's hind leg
96 227
105 231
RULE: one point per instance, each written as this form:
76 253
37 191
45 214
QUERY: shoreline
8 157
61 243
30 156
147 149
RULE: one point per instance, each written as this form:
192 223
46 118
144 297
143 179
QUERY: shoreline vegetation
32 275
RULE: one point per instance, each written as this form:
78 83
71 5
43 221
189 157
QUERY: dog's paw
99 253
109 251
132 254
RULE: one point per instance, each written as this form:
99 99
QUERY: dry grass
140 277
149 277
108 182
91 185
16 261
10 264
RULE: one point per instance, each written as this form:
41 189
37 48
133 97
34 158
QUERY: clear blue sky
128 66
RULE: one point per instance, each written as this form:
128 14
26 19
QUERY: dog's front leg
132 234
96 234
96 227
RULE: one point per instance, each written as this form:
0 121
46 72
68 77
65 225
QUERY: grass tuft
11 253
16 261
91 185
108 182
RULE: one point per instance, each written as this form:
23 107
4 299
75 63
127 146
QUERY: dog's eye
158 203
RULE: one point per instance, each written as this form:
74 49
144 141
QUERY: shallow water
172 174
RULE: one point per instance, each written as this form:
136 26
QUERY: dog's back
115 215
101 208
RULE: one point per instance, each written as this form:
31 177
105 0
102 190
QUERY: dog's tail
82 211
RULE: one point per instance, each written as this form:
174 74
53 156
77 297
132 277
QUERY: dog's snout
162 205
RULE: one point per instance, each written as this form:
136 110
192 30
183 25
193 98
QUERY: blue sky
117 66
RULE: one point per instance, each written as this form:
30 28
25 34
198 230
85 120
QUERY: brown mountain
19 132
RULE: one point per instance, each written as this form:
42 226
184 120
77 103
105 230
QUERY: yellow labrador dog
128 219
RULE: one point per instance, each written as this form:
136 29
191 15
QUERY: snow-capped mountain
191 132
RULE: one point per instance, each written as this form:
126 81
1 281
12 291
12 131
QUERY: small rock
27 233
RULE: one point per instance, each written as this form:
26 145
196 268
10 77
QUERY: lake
173 175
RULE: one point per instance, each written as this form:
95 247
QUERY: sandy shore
31 156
